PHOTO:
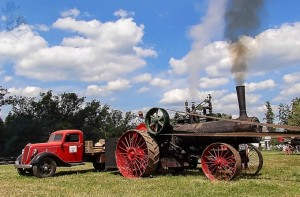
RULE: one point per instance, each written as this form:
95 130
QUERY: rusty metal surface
239 134
287 127
213 127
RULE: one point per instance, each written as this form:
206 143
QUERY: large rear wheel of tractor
220 161
252 160
137 154
46 167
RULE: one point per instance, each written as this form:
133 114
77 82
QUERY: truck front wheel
23 172
46 167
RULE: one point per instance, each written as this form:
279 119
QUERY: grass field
280 176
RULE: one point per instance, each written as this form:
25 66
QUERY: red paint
66 144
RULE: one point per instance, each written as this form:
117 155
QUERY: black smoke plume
242 18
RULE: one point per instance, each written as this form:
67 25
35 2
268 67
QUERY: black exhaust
240 91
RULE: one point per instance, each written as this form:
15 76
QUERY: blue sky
134 55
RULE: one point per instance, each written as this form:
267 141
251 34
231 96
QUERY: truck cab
64 148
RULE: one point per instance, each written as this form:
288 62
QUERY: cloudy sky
134 55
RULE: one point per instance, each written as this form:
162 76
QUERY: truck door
72 148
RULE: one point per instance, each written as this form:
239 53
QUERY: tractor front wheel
137 154
252 160
220 161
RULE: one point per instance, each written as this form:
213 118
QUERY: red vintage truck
65 148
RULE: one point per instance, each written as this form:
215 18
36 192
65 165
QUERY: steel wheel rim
45 168
220 161
132 155
254 161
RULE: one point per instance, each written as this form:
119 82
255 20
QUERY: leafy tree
1 138
3 92
294 117
284 112
33 119
270 116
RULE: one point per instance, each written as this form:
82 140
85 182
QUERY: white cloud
270 50
96 90
118 85
95 52
112 86
145 52
123 13
87 28
179 96
13 49
267 84
178 66
160 82
202 34
143 89
292 78
275 48
41 27
291 90
212 82
8 78
71 12
175 96
30 91
144 77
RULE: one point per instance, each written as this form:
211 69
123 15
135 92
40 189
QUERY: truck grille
25 155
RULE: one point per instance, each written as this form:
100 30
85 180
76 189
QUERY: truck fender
19 158
42 155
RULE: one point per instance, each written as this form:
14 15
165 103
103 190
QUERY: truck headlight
35 151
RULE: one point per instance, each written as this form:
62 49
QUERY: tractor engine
219 126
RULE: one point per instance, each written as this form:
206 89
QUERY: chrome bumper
18 165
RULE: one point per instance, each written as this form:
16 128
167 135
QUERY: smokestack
240 91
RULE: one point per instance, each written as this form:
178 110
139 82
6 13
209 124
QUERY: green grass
280 176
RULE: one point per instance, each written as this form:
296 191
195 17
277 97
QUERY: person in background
140 118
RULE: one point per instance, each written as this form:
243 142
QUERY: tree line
33 119
287 114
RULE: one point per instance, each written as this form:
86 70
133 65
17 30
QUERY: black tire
46 167
99 166
23 172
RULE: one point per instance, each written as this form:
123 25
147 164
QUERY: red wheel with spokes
220 161
137 154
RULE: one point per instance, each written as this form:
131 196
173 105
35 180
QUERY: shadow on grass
71 172
257 177
196 172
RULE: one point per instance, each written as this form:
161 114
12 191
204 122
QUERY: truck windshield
55 137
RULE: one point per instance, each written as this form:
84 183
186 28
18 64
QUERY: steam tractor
198 137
